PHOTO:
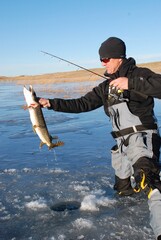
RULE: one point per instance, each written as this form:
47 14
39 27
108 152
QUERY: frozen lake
33 179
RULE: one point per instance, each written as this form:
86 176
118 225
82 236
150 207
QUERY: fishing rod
62 59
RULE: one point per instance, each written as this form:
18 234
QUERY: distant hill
73 76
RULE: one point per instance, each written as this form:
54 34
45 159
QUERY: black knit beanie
112 48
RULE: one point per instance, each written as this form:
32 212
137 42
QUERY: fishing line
74 64
55 160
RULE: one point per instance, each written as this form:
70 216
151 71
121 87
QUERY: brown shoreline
73 76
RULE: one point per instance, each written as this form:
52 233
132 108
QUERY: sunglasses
105 60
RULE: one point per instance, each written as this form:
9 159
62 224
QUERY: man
128 99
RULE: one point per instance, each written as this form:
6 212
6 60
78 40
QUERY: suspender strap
133 129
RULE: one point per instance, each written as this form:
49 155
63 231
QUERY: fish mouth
30 88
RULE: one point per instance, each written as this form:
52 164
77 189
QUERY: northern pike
38 120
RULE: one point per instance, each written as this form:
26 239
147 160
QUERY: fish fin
25 107
34 128
57 144
54 137
41 144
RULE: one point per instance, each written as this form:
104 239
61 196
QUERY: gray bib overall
133 139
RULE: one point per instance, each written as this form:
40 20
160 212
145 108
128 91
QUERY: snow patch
81 188
93 201
81 223
10 171
37 204
58 170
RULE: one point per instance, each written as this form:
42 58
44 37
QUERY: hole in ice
66 205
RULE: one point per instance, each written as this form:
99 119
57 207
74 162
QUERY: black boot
123 186
147 181
146 174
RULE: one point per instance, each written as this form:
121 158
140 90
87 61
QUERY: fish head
29 95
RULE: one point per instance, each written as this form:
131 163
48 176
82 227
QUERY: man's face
111 64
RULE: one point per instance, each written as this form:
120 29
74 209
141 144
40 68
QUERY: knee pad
147 165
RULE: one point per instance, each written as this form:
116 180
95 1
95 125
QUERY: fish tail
57 144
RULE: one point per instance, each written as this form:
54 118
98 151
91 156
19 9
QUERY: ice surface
32 180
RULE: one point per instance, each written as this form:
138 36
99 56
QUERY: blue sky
74 30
